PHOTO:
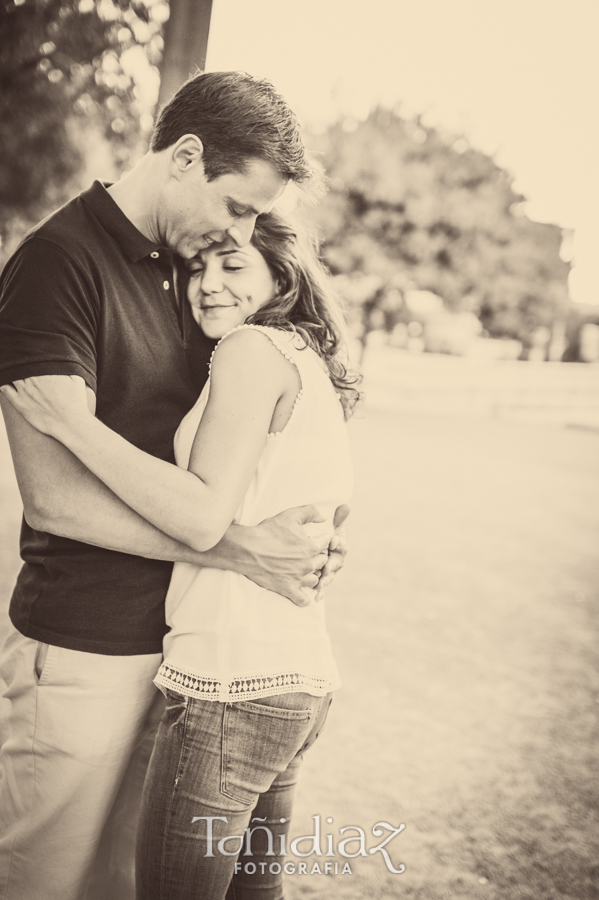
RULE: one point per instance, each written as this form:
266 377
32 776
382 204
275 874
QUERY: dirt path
465 625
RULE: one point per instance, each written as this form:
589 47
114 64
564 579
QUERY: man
95 290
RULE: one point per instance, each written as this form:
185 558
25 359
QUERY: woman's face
228 284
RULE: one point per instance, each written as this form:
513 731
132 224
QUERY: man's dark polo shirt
87 294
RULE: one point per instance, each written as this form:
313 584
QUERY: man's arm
62 497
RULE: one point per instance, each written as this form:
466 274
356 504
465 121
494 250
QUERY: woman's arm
249 376
61 496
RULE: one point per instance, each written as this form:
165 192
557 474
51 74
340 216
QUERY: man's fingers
320 561
310 580
332 565
326 576
335 559
300 596
310 557
304 514
338 544
13 396
341 514
327 569
323 545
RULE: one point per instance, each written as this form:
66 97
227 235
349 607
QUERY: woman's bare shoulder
247 345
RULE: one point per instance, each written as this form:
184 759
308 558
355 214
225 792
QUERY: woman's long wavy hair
304 301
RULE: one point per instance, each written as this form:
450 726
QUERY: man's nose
241 231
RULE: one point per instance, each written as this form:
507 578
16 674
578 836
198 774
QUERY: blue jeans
214 767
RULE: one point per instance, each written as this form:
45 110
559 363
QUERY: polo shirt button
165 285
154 254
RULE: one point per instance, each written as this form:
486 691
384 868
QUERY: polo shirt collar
131 241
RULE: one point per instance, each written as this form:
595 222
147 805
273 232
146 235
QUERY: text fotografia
291 868
349 846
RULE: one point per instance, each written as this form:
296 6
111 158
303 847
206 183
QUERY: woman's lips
218 306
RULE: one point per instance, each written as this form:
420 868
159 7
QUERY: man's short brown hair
237 117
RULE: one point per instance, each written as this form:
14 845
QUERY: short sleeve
49 313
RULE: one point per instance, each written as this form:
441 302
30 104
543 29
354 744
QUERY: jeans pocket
171 695
319 722
259 742
295 705
176 708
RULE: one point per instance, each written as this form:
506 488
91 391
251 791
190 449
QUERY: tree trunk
185 44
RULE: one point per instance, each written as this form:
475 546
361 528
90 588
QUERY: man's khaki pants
78 740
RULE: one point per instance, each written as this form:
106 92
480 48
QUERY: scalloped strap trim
268 331
241 688
274 434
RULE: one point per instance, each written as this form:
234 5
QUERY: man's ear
187 154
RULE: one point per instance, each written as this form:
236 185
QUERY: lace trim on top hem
242 687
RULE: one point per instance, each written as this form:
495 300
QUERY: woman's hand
53 404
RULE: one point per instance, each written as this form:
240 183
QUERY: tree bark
185 44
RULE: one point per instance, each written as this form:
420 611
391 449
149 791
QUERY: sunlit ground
465 625
465 629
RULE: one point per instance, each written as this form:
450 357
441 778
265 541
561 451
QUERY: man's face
195 212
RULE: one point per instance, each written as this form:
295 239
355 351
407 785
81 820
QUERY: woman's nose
211 282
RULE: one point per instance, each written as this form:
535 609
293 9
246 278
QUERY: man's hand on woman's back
280 555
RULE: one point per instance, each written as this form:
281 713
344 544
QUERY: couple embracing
174 389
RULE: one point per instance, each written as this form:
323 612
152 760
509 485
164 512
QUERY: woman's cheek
194 291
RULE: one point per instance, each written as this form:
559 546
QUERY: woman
247 674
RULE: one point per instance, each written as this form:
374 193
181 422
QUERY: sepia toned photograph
299 483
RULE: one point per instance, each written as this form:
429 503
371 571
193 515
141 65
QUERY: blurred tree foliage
413 209
64 78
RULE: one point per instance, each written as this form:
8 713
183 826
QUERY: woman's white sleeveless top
230 639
